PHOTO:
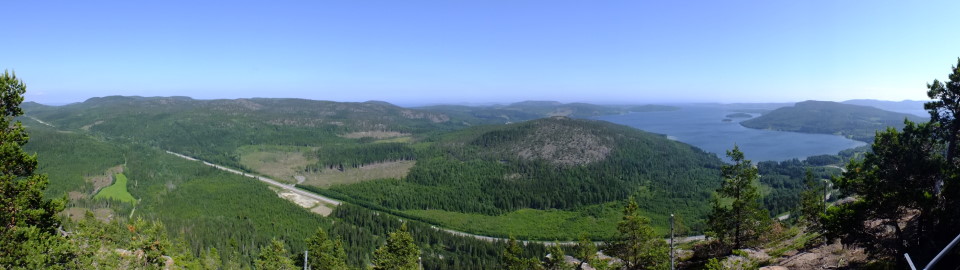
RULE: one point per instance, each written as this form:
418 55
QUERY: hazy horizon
433 52
492 103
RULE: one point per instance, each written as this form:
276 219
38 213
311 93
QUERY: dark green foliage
638 246
514 259
812 204
786 181
325 253
398 253
823 160
69 157
586 252
275 257
555 260
944 112
363 230
854 121
28 221
485 170
208 207
529 110
741 221
335 157
135 244
896 181
214 129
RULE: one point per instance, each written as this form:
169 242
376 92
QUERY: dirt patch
87 127
281 165
323 209
76 195
374 134
823 257
103 180
314 205
74 213
543 143
382 170
78 213
104 214
289 167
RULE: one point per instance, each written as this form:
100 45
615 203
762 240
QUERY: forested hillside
214 129
206 209
853 121
551 163
529 110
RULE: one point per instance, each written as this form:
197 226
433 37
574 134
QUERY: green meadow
117 191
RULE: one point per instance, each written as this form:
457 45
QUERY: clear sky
419 52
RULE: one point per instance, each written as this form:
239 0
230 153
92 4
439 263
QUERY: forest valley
615 194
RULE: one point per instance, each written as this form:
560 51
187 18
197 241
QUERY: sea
705 127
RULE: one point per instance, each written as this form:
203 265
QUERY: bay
704 127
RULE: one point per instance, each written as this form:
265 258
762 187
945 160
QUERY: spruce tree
743 219
325 253
274 256
637 245
399 253
513 257
586 251
556 259
28 222
811 203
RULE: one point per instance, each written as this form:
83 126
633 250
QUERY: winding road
318 197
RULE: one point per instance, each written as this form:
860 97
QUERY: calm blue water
702 126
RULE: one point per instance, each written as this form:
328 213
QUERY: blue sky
420 52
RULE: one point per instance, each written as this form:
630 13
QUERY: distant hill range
529 110
853 121
906 106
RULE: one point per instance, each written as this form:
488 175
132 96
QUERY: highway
312 195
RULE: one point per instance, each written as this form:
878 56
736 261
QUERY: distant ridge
852 121
529 110
905 106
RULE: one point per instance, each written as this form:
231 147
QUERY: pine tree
513 257
28 222
944 109
211 259
325 253
556 259
586 251
637 245
811 203
399 253
743 220
274 256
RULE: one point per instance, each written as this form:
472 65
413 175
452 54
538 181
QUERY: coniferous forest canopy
539 171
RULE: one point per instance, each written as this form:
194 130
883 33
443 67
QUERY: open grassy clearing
382 170
78 213
117 191
600 223
374 134
405 139
103 180
284 164
287 164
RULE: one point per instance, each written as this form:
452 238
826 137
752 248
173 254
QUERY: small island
739 115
